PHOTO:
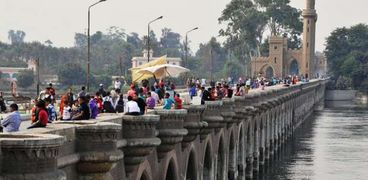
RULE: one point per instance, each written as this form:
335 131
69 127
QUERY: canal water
332 145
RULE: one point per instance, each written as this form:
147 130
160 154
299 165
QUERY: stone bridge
229 139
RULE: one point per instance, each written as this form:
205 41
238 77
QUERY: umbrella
164 70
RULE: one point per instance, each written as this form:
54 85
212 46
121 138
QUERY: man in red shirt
178 102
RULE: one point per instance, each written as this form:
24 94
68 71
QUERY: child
67 111
168 102
52 116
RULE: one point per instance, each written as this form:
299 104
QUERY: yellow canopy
136 76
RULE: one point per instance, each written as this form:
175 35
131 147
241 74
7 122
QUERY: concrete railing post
171 129
193 123
31 157
141 136
212 115
97 146
228 111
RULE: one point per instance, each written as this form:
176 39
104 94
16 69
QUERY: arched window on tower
275 60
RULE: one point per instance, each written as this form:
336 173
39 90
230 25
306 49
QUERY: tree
80 40
16 37
211 64
48 43
25 78
170 43
247 21
72 74
347 55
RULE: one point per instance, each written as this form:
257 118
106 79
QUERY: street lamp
88 41
148 35
186 45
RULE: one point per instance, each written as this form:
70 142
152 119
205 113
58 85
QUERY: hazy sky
58 20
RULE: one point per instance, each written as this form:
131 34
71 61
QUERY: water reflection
333 144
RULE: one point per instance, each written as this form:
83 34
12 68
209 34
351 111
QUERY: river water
332 145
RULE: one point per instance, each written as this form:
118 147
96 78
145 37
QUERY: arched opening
240 154
144 176
232 158
191 173
170 173
207 165
269 72
249 140
294 67
221 160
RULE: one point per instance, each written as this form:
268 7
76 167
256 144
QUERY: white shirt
132 106
67 113
155 96
117 84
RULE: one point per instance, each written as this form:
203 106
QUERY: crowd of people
229 88
138 100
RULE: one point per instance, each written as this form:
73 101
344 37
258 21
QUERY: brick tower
309 38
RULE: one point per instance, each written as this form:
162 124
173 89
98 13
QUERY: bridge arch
171 170
207 173
221 166
145 171
232 160
191 168
241 151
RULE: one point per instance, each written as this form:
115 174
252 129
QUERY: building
10 73
138 61
282 61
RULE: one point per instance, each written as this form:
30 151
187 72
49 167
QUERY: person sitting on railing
67 111
83 112
41 115
12 122
178 102
150 101
168 102
132 107
206 95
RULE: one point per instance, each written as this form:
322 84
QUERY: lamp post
88 41
186 45
148 36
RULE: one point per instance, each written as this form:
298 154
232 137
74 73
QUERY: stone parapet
212 115
193 123
171 129
141 136
30 156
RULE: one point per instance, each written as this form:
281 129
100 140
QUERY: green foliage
343 83
25 78
347 55
170 42
72 74
16 37
212 57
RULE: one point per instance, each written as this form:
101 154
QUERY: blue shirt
168 103
12 122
